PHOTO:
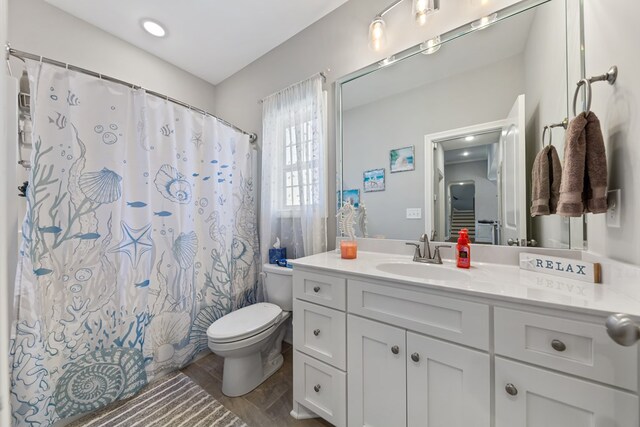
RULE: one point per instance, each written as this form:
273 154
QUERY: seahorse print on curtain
140 232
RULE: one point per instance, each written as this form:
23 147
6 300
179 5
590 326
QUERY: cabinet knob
415 357
622 329
558 345
511 389
316 332
395 349
316 388
316 289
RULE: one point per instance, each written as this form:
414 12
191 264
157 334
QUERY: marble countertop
495 281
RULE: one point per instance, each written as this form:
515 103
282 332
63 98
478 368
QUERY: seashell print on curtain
140 232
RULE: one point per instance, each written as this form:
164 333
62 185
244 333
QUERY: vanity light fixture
431 46
469 138
154 28
484 22
377 29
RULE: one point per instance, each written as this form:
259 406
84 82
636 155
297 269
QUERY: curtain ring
587 89
547 128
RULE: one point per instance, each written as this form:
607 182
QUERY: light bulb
421 9
377 33
431 46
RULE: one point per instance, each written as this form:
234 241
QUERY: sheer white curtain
294 188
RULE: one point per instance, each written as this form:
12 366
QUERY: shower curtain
140 232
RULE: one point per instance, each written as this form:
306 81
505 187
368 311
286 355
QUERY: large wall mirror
443 136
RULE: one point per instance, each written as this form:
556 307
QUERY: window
300 171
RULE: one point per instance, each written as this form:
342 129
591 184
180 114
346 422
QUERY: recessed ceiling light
153 28
470 138
465 153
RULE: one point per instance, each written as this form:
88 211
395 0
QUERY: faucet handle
424 237
416 254
436 253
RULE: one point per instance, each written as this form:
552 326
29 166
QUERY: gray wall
611 37
337 42
37 27
370 131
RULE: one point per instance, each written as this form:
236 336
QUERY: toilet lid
244 323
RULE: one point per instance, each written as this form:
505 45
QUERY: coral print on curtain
140 232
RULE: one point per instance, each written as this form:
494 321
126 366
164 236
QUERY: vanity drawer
320 332
320 289
451 319
578 348
320 388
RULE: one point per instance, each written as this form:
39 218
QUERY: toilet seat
244 323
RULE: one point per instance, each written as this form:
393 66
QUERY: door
376 363
447 385
512 177
533 397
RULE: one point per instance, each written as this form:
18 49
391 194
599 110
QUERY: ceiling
210 39
474 50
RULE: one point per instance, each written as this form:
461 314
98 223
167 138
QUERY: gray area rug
171 401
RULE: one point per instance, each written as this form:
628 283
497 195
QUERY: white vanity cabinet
376 352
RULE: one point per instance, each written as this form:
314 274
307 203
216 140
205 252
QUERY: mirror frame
577 239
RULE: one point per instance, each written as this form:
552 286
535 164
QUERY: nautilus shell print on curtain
172 185
130 250
99 378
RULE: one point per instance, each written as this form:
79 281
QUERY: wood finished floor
266 406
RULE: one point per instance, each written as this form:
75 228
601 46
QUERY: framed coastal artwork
402 159
352 196
373 180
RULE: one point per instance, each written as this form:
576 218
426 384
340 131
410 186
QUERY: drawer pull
316 289
395 349
316 388
415 357
558 345
511 389
316 332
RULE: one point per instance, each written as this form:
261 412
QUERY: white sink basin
425 271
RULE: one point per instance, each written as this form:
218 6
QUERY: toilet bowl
250 339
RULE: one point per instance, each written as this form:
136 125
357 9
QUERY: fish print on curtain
140 232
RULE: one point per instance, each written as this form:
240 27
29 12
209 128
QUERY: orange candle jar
349 249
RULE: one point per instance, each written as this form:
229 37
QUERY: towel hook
544 131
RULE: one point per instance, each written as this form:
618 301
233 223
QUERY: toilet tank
278 286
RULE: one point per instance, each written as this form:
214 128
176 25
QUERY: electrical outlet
414 213
613 213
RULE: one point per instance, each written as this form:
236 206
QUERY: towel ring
544 131
587 89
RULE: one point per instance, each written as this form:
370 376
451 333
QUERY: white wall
37 27
612 36
371 130
337 42
545 59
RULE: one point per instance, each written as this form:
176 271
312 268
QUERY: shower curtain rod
26 55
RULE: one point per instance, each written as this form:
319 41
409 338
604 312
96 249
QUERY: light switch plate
613 213
414 213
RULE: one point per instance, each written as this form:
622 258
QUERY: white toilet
250 339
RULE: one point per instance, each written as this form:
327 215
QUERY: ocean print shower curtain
140 232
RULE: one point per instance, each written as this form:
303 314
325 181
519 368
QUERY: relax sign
564 267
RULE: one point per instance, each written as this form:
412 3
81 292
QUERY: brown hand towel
547 175
584 177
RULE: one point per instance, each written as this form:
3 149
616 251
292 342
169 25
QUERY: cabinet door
447 385
376 363
533 397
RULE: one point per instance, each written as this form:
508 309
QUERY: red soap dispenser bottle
463 250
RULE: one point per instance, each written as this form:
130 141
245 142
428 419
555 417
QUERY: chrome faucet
425 255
